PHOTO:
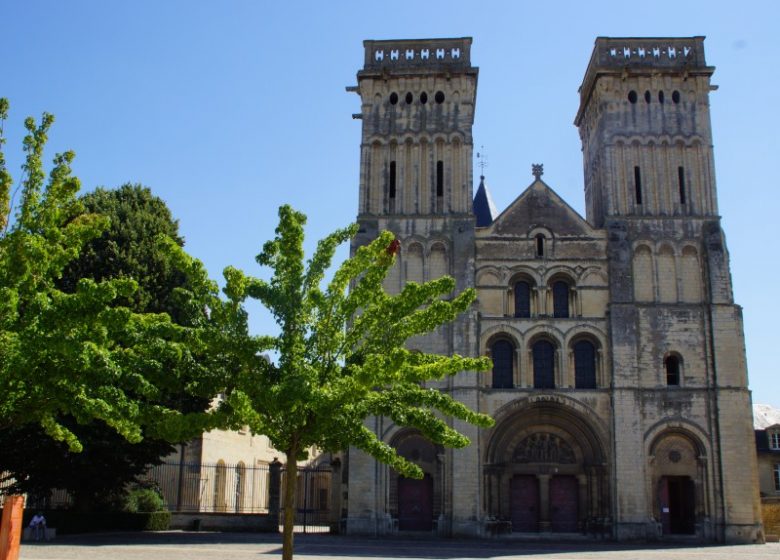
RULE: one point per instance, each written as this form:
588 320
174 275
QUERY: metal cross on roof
483 163
537 169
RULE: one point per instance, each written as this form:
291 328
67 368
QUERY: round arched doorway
416 503
678 482
546 471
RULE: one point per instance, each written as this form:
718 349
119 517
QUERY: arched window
539 245
522 299
240 483
220 486
584 365
502 353
544 365
672 366
560 292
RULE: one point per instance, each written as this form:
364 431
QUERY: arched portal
678 479
546 470
417 503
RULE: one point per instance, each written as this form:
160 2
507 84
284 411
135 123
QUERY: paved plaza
176 545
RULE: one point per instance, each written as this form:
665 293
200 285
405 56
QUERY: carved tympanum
544 448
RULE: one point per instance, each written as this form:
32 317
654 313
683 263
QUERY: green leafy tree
128 248
76 353
341 354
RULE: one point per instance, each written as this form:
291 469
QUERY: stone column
274 494
582 500
544 502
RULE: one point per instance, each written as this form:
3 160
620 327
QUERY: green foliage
129 248
341 351
77 352
144 500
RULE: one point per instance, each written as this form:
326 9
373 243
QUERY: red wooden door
415 504
524 503
563 504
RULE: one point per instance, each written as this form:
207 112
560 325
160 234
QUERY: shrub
144 500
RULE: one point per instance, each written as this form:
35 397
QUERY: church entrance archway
416 503
678 471
545 470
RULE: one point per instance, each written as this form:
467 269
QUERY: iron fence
312 500
218 488
225 488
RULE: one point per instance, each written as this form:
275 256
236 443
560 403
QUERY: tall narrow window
540 245
672 365
391 186
584 365
774 440
560 290
522 299
777 478
502 353
220 486
637 185
681 183
544 365
439 178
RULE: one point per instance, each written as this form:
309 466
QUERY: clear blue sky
229 109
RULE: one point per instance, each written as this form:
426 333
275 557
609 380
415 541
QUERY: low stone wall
239 522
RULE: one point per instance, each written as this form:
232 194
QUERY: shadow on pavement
374 547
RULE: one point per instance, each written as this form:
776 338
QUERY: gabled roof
484 207
765 416
539 205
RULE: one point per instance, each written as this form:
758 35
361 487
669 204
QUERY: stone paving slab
175 545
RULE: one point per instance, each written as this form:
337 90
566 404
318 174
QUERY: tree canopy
341 353
77 353
128 248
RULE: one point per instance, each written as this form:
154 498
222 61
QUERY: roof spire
538 170
484 208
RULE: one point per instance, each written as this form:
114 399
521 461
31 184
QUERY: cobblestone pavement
242 546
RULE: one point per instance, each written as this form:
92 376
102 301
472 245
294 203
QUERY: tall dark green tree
100 287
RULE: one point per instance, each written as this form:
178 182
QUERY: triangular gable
539 205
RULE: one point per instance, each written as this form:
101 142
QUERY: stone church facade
619 385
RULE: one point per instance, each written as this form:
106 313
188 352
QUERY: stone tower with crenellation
675 332
417 110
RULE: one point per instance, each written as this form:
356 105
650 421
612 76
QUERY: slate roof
484 207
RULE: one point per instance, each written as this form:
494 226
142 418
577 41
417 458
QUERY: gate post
335 496
274 494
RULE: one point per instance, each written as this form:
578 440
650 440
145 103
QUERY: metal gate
312 500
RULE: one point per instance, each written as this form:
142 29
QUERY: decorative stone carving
544 448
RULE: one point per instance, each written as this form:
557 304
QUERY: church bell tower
417 112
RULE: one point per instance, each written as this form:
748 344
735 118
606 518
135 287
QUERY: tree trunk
290 483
